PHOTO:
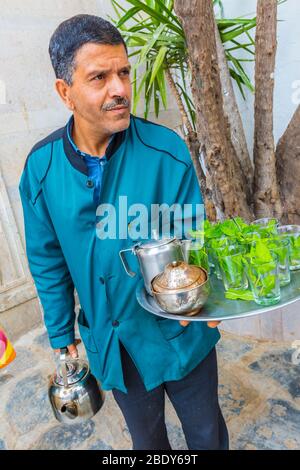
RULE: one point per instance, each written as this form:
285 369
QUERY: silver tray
217 307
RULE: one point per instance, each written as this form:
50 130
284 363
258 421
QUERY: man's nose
117 87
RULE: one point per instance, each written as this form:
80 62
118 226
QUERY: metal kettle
153 256
73 391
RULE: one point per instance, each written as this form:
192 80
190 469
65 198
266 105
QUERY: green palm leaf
158 63
154 31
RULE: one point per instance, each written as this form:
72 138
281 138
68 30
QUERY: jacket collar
77 161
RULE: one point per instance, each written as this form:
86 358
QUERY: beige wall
29 110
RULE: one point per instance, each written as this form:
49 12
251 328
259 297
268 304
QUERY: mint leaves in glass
263 273
215 247
267 225
270 252
195 253
292 232
282 249
230 259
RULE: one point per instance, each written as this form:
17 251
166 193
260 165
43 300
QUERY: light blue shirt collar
77 150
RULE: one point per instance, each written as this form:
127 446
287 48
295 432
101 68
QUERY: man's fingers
72 349
213 324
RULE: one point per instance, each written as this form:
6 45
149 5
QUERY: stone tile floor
259 390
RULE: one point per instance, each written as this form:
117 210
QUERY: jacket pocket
170 328
85 332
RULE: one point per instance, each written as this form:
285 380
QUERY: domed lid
178 275
76 371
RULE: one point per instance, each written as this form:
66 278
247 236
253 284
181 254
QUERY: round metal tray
217 307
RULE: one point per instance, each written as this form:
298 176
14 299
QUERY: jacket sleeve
48 268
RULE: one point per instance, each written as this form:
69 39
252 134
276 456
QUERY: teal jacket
150 164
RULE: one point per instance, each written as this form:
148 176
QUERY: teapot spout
70 410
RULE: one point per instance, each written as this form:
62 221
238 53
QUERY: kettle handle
63 353
125 262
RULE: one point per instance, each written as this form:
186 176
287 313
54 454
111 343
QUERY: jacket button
115 323
90 183
102 280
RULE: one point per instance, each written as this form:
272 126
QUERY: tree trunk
266 193
193 144
288 170
232 113
216 151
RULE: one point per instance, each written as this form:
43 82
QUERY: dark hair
72 34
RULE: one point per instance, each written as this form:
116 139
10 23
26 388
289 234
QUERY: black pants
195 399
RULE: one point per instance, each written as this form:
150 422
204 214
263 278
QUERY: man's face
101 89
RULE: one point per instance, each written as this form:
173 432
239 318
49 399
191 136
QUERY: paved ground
259 389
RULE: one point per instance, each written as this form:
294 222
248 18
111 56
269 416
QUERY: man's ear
63 89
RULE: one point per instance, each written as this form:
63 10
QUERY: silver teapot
153 256
73 391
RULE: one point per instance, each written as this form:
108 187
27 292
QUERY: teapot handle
63 353
125 262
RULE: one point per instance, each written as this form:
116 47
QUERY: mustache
117 102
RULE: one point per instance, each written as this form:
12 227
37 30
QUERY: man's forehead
91 55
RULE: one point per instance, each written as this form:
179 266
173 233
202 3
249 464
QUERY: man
102 154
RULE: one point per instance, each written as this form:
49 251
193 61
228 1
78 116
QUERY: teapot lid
178 275
76 371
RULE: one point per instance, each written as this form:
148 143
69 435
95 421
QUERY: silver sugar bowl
181 288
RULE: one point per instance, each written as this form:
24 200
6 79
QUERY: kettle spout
70 410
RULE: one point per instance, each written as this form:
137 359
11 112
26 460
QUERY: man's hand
211 324
72 349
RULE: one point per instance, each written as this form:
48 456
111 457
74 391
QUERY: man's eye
125 72
99 77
